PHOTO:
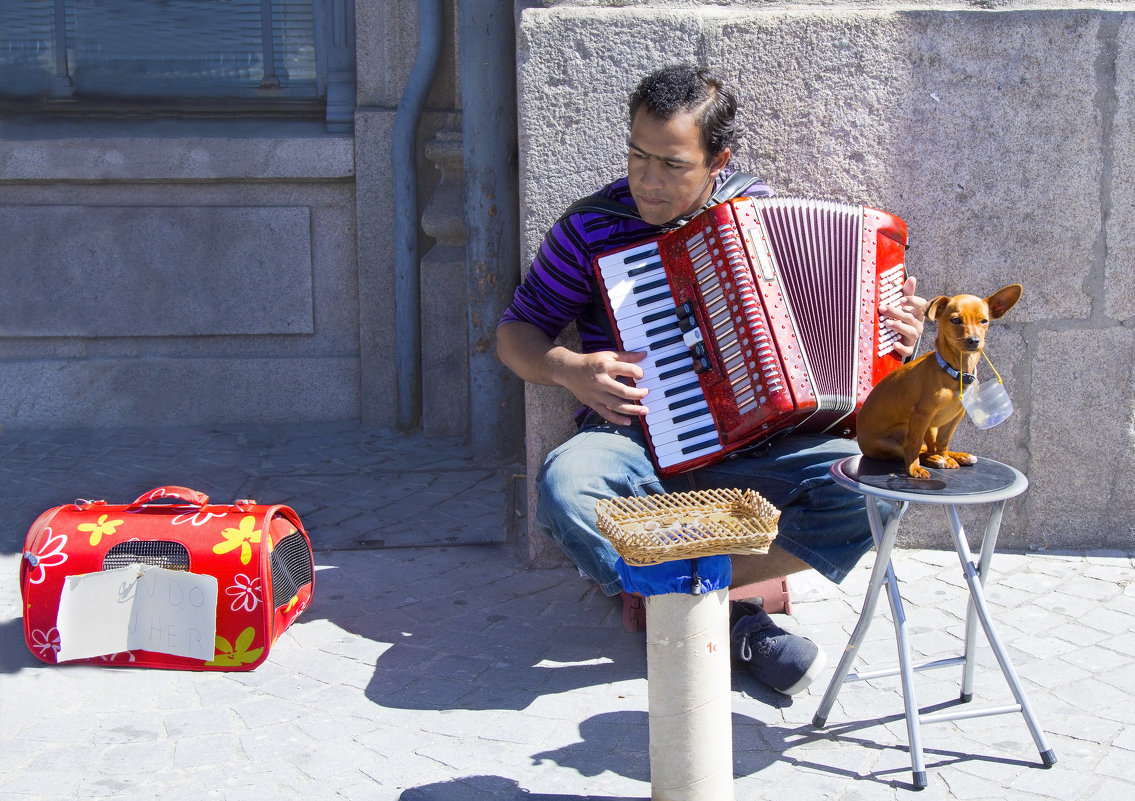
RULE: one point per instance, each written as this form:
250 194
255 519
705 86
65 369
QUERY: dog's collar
966 378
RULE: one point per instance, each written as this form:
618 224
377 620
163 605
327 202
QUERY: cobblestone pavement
447 671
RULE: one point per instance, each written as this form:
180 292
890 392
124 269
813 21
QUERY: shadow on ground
497 788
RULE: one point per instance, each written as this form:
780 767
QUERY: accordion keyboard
647 316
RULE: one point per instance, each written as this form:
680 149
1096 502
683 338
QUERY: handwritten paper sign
138 607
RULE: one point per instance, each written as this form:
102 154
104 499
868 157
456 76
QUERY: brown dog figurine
912 412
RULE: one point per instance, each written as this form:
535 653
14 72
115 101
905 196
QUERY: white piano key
618 270
631 308
673 407
640 331
674 399
669 431
667 395
622 293
675 452
678 458
630 254
664 360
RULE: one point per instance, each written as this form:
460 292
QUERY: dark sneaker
786 662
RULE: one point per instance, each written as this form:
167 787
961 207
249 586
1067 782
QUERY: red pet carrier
258 556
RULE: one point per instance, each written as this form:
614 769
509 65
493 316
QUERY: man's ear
719 161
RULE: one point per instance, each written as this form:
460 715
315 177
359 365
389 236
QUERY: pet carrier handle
170 493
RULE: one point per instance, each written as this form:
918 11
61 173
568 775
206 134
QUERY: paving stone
447 670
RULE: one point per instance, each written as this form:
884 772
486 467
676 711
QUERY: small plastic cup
987 404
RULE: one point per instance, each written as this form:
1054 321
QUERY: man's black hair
679 88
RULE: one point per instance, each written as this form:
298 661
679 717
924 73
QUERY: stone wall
164 271
999 131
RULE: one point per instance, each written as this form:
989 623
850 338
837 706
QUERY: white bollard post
691 725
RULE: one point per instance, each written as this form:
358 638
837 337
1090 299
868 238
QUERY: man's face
668 168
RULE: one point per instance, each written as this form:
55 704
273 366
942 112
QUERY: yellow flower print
237 653
240 538
100 529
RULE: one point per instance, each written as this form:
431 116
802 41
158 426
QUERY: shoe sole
813 670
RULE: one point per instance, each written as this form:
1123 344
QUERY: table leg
884 537
906 673
981 612
882 573
988 545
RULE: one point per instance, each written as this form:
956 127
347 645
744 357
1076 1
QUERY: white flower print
50 555
245 593
198 518
113 657
46 641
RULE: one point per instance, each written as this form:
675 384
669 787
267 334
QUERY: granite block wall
1000 131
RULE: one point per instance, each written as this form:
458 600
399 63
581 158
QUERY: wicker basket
684 525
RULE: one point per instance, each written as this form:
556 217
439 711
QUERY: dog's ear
1003 299
935 306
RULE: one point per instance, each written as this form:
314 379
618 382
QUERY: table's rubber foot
1048 758
819 722
920 780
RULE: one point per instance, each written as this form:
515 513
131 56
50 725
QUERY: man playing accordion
682 131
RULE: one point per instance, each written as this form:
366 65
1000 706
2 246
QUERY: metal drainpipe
488 100
407 269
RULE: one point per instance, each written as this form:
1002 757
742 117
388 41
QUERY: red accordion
758 317
257 559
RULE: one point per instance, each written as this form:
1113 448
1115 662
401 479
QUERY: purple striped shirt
559 289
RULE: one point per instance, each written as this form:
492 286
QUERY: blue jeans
820 522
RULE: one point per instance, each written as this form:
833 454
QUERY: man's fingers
621 413
626 364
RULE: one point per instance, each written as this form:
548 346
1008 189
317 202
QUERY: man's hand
597 379
906 317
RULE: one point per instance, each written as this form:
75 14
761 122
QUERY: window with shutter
211 56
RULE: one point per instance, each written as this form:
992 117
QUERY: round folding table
888 494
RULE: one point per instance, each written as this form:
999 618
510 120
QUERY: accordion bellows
685 525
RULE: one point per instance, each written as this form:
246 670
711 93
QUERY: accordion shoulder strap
732 187
601 205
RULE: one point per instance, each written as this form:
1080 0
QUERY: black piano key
658 315
681 404
658 344
702 444
674 373
654 299
661 329
684 416
644 253
671 359
689 386
649 286
697 432
648 267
